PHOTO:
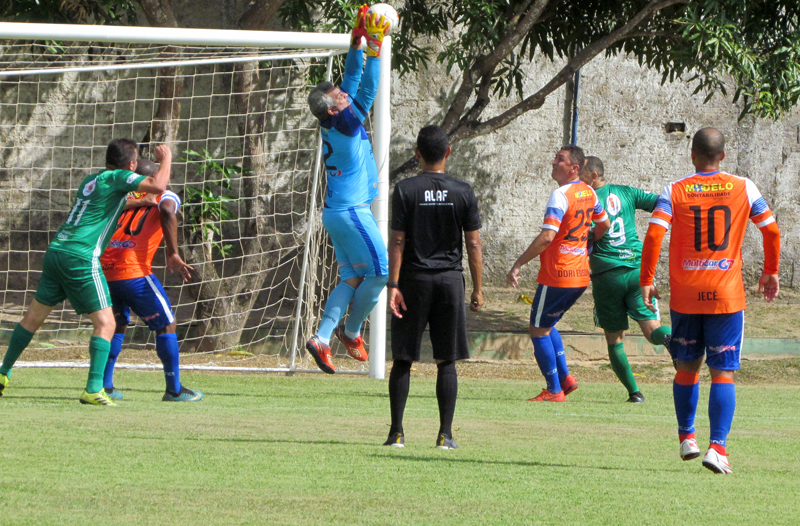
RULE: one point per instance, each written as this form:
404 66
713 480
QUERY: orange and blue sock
546 359
721 405
685 393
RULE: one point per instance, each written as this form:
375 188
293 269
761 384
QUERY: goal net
246 164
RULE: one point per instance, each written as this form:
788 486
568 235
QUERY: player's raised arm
158 182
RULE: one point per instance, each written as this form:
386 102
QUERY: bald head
146 167
709 144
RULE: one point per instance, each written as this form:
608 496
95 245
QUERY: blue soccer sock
167 351
721 405
685 393
366 297
113 354
335 308
546 359
561 358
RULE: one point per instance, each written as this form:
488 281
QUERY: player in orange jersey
708 211
133 286
564 271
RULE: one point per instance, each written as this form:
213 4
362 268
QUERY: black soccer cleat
445 442
395 440
636 398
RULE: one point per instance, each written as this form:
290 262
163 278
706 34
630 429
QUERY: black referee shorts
435 298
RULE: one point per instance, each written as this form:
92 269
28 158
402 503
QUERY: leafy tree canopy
69 11
750 49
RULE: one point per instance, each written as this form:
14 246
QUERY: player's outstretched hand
476 301
377 25
359 26
512 278
648 293
178 266
163 153
770 285
396 302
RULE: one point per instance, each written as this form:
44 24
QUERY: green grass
307 450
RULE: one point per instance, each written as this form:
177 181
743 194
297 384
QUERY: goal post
246 151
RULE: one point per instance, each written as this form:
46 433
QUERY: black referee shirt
433 210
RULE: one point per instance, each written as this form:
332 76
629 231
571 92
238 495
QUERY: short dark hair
146 167
319 101
120 153
576 154
708 143
432 142
594 164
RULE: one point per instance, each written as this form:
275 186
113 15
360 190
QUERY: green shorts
82 282
617 295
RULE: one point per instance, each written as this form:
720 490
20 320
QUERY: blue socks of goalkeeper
721 405
167 351
545 356
335 308
364 300
113 354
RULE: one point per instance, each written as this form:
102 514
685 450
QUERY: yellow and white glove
376 26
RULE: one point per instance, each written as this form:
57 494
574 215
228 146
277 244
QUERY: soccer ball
388 13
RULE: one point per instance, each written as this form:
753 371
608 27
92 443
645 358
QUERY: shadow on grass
523 463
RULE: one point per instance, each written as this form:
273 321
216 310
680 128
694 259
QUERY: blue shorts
550 304
718 336
360 250
145 297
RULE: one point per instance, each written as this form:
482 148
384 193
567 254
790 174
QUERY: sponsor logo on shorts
63 235
152 317
555 314
333 173
708 264
89 188
722 348
626 254
116 243
684 341
576 251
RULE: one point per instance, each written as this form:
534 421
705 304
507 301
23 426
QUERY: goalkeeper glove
376 29
359 26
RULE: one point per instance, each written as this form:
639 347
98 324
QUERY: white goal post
246 162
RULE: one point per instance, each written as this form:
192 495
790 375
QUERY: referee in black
426 284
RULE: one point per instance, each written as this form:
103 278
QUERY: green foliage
206 207
748 48
70 11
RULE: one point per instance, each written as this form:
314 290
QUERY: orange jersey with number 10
708 213
570 212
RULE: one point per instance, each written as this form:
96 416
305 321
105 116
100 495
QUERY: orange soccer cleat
321 354
547 396
569 384
355 348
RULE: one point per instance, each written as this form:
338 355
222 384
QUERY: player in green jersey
614 263
71 266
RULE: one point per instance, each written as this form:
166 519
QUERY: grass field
269 449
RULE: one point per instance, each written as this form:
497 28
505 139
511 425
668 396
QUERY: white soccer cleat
716 462
689 449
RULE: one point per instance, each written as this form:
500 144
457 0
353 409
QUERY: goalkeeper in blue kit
351 175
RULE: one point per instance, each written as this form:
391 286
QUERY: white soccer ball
387 12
